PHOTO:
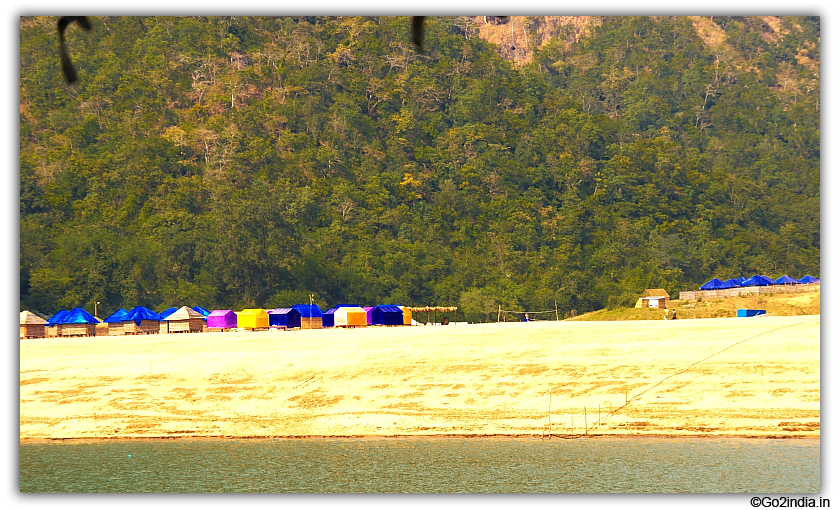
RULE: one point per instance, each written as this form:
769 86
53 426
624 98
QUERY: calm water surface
423 465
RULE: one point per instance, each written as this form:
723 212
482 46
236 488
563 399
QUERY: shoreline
743 378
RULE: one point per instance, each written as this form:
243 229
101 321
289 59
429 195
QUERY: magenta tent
225 319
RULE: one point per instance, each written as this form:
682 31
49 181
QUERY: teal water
421 465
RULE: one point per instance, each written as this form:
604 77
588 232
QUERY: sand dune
744 377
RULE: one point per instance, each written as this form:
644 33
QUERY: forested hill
251 162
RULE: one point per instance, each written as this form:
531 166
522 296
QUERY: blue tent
309 310
387 315
809 279
712 284
758 280
787 279
730 284
329 318
57 318
118 316
139 314
78 316
166 313
284 317
741 280
203 311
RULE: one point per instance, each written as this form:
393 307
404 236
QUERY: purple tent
225 319
369 311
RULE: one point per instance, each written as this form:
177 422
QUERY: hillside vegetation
250 162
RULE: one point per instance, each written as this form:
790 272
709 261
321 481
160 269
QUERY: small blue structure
750 313
784 280
387 315
329 318
809 279
284 318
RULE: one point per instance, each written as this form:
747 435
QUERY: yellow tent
352 316
406 315
252 318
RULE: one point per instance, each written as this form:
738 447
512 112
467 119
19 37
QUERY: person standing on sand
675 315
666 314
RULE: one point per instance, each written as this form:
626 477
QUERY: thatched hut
141 320
253 319
115 322
655 298
32 326
77 322
184 320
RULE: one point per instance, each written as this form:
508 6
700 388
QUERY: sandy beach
755 377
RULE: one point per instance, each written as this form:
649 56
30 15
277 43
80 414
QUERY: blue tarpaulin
118 316
809 279
203 311
309 310
787 279
759 280
730 284
750 313
56 319
712 284
78 316
139 314
166 313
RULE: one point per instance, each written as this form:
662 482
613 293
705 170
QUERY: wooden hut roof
656 293
27 317
184 313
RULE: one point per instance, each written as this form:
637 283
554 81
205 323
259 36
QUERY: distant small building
185 319
32 326
654 298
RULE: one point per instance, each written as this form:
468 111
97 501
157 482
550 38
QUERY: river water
423 465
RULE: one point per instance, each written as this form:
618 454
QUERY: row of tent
757 280
297 316
311 316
